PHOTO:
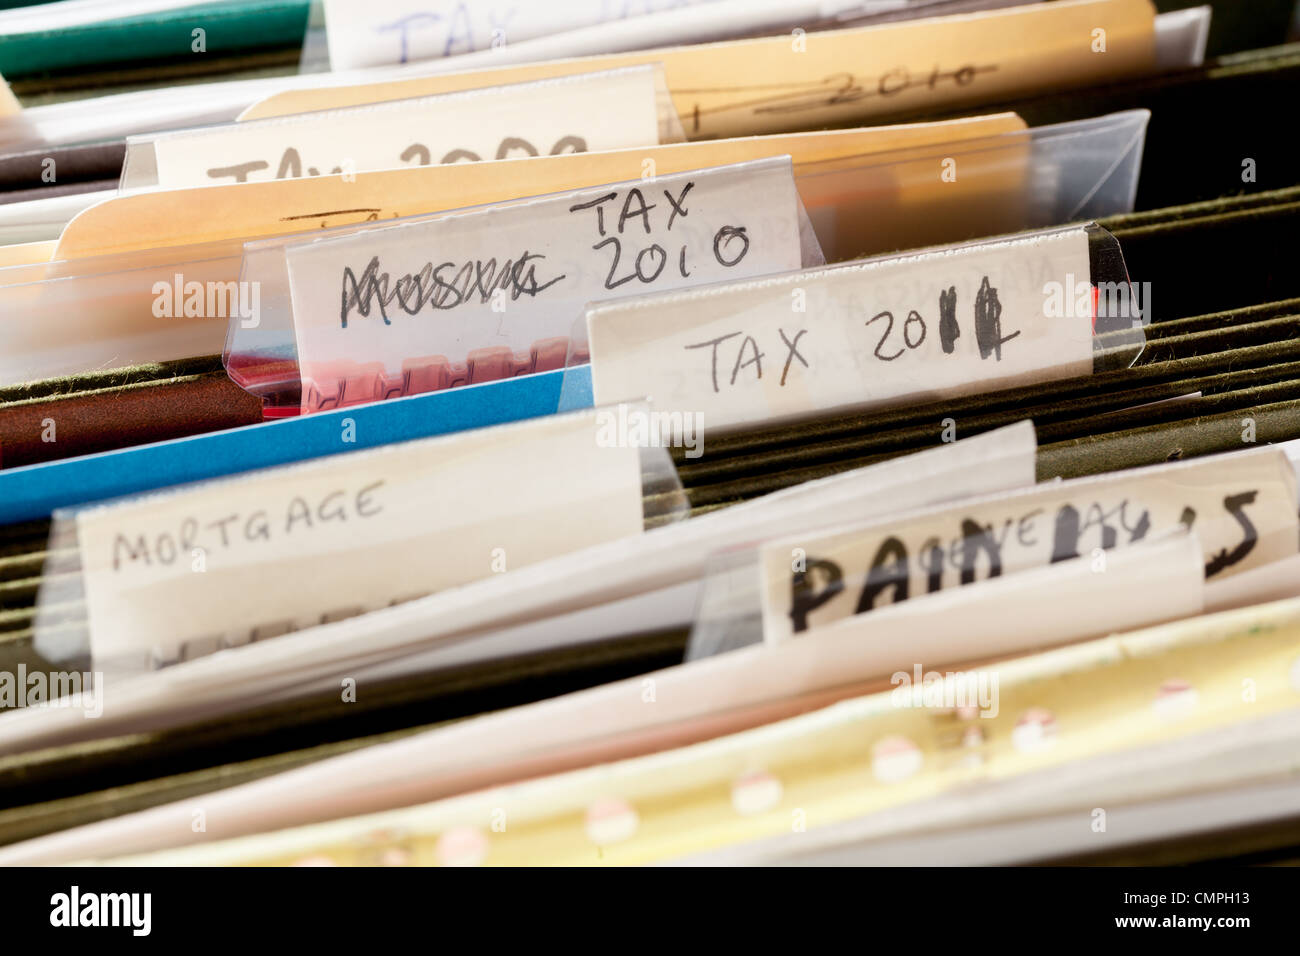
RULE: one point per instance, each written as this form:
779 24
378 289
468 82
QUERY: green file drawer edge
231 28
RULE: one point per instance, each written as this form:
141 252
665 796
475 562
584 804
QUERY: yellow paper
9 105
861 756
244 211
27 253
802 81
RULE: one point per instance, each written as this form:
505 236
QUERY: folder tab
1241 507
178 574
802 81
612 109
940 323
493 293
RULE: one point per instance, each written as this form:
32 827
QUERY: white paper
612 109
935 324
42 220
1180 786
658 559
1241 506
66 14
123 114
186 572
380 32
514 275
732 689
1276 581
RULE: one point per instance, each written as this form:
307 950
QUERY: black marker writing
988 322
1235 505
843 89
811 589
291 166
975 538
979 550
724 245
444 286
618 235
678 204
750 354
629 212
889 327
656 257
239 172
755 359
888 572
299 514
419 152
793 352
948 328
714 343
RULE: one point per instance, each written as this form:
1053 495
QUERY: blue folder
36 491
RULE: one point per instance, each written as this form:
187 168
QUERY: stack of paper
705 433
